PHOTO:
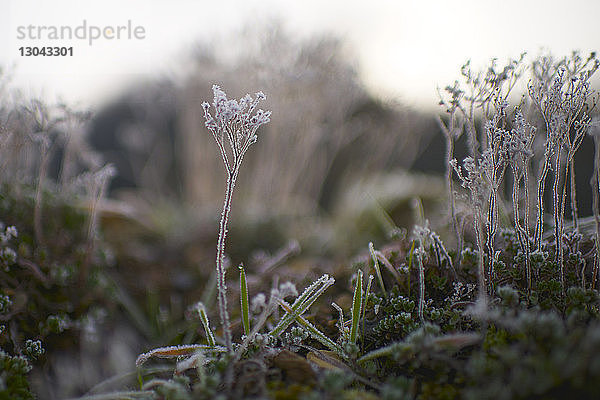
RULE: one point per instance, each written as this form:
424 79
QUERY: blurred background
352 147
352 89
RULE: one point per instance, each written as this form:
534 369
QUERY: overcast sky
403 48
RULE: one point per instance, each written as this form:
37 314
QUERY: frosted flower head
260 118
245 102
236 120
210 122
219 97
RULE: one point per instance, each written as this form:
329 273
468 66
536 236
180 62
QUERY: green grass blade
364 308
314 331
204 319
340 321
356 306
303 303
377 270
244 301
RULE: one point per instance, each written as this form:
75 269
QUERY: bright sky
404 48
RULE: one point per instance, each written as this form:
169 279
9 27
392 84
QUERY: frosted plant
94 184
452 132
483 177
484 90
594 132
420 234
493 166
425 233
471 177
233 127
519 154
563 105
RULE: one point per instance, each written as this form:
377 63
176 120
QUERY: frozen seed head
261 118
239 120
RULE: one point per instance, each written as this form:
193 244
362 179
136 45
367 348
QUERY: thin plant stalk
526 226
480 258
491 228
574 212
410 262
449 134
523 135
420 256
539 226
522 231
472 180
221 286
558 220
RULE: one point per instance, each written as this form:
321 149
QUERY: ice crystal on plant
234 123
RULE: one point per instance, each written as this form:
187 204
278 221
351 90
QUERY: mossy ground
533 342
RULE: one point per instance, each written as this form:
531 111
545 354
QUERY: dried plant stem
491 228
563 194
481 260
539 227
526 228
220 263
522 231
451 201
558 220
449 134
574 212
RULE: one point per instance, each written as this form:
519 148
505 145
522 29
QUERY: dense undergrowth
510 309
